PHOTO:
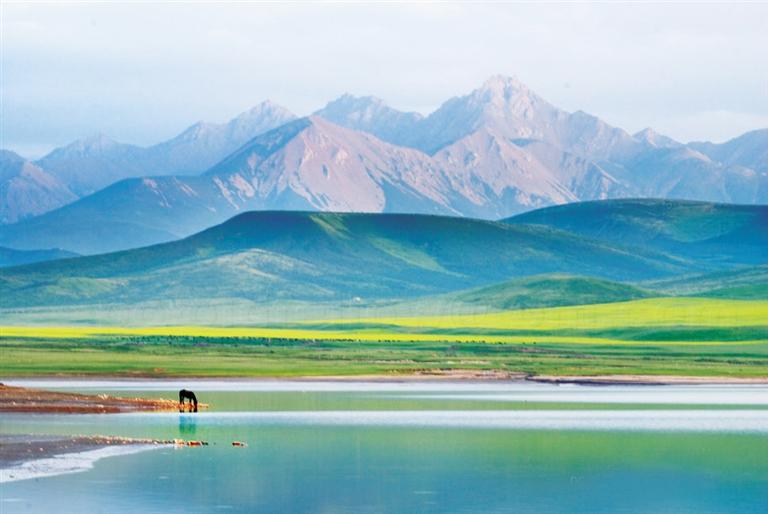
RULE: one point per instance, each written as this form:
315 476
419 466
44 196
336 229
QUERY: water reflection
187 425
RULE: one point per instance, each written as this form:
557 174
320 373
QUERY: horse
188 395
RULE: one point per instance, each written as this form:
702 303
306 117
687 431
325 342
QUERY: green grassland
660 336
256 357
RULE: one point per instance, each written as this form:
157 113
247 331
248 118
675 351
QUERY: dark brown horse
187 395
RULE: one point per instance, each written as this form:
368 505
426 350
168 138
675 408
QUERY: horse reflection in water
192 400
187 426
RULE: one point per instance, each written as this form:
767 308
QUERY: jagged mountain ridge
495 152
749 150
204 144
308 164
92 163
312 164
26 190
371 114
611 162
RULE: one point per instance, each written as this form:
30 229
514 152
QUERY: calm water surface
407 448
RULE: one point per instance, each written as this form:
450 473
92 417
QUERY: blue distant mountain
10 257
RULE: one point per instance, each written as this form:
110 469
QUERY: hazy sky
143 71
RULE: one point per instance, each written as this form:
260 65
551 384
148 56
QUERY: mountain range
92 163
498 151
269 256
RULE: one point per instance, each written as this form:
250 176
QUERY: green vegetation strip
158 356
661 336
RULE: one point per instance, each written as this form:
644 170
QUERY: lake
433 447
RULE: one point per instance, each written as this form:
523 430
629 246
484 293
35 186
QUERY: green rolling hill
551 291
272 256
596 252
716 235
750 283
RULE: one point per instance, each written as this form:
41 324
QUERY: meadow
659 336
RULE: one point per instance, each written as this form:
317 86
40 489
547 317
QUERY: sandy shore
497 375
22 399
33 456
459 375
20 448
646 380
421 376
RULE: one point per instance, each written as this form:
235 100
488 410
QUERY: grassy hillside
273 256
551 291
720 234
749 283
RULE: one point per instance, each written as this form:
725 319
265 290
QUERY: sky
141 72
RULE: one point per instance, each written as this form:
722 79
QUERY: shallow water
424 447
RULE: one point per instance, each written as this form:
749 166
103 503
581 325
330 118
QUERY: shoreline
647 380
25 457
482 376
33 400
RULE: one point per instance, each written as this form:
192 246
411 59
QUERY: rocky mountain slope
27 190
589 158
92 163
749 150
